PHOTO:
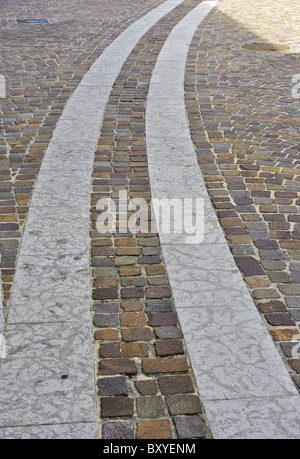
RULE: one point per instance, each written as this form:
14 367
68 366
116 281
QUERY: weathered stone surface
117 406
151 407
184 404
175 384
169 347
151 366
113 386
154 430
117 366
147 386
118 430
190 427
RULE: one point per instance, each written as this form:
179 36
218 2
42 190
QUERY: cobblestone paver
244 121
42 65
145 385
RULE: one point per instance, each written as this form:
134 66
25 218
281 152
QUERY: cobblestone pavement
43 64
244 121
166 405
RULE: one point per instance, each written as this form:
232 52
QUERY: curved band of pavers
47 379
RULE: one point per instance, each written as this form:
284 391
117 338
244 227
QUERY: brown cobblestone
135 350
129 271
284 334
152 366
175 384
117 366
154 430
132 319
168 347
162 319
117 406
184 404
132 306
253 178
108 334
155 270
137 334
147 386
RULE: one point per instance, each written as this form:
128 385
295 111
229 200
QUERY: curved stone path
146 385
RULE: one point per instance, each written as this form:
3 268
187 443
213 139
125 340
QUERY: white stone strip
86 431
242 380
47 377
1 309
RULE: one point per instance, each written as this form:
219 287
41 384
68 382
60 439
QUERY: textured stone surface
48 368
86 431
113 386
116 407
151 407
154 430
190 427
118 430
275 418
235 356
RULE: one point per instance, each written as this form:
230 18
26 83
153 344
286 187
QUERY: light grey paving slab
1 312
76 130
171 151
232 355
62 157
167 118
86 431
86 102
51 231
270 419
97 78
173 184
47 376
160 88
51 290
192 222
205 275
173 168
64 189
